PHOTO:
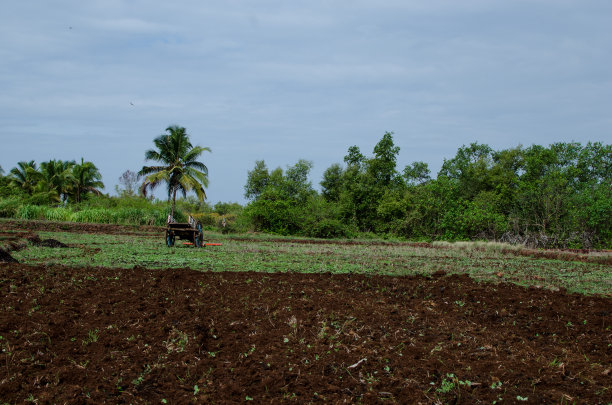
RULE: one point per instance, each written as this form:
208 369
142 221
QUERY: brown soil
52 243
15 241
97 335
5 257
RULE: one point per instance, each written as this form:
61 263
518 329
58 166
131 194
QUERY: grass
118 215
265 254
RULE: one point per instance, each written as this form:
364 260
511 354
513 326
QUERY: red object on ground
212 244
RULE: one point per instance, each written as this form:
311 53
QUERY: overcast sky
286 80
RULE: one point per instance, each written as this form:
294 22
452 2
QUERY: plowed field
140 335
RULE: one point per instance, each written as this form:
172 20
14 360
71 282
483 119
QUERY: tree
24 176
179 170
55 179
417 173
87 179
382 165
129 182
354 157
296 185
332 182
257 180
471 167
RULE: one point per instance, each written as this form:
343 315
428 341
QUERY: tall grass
121 211
121 215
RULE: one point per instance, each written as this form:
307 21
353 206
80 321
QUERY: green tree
279 199
331 185
366 182
24 176
354 158
595 163
87 179
434 209
382 166
257 180
471 167
55 179
417 173
179 167
296 184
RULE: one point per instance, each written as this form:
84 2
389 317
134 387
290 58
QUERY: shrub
9 207
328 228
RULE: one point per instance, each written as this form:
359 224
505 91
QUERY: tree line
70 182
555 196
53 181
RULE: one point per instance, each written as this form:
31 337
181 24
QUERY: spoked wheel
169 239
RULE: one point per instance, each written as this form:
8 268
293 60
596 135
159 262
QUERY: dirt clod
5 257
52 243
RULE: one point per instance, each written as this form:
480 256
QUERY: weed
139 380
177 341
496 385
92 337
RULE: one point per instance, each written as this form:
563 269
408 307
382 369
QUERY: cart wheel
199 240
169 239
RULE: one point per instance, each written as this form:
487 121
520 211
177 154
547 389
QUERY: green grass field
264 254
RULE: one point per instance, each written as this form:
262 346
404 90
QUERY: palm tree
86 179
55 177
24 176
179 170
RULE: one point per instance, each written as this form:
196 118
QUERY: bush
9 207
328 228
208 220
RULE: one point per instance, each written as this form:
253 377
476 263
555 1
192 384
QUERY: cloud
286 80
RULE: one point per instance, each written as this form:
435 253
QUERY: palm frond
151 169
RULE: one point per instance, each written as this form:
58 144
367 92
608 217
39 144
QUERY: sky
286 80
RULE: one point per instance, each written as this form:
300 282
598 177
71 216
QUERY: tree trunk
173 202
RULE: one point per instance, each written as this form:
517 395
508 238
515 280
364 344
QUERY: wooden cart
191 231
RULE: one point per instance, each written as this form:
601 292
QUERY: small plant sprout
92 337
